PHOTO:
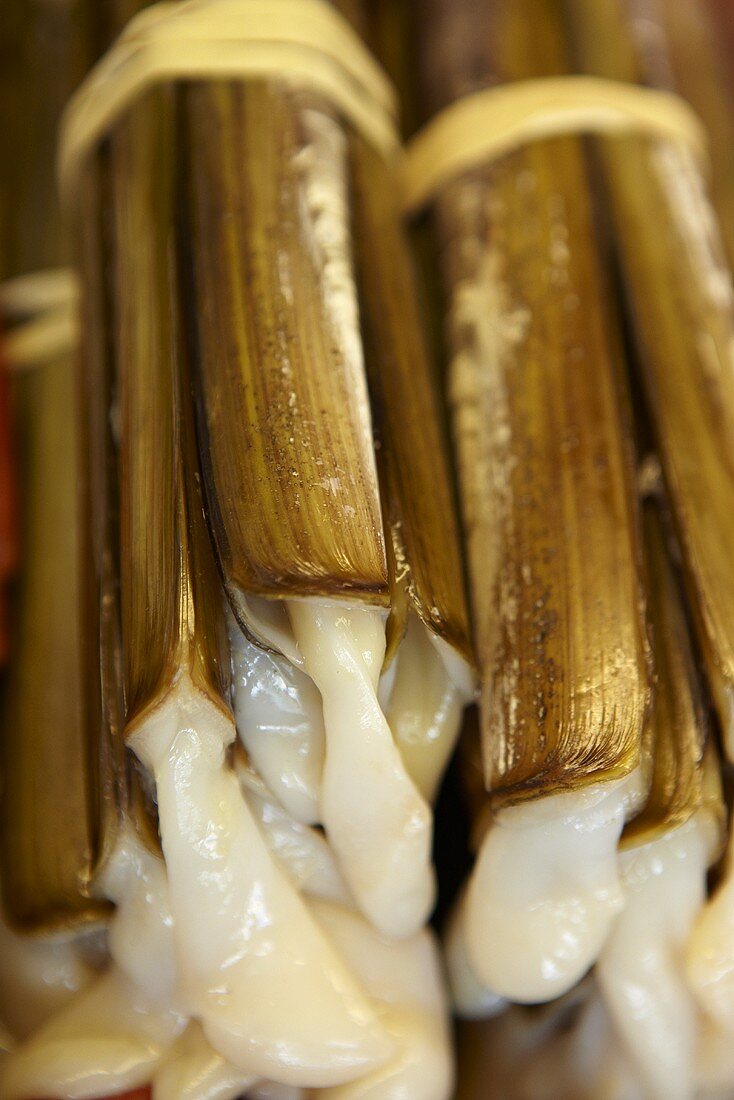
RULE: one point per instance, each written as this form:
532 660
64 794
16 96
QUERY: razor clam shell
544 468
171 601
414 448
284 420
680 731
49 812
680 300
47 825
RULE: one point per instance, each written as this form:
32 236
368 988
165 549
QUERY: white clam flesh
271 1090
471 1000
38 976
222 978
194 1071
280 722
430 688
140 936
545 890
301 850
710 952
404 981
110 1038
113 1034
640 969
272 996
376 820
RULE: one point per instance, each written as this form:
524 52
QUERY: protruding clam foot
376 820
545 891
